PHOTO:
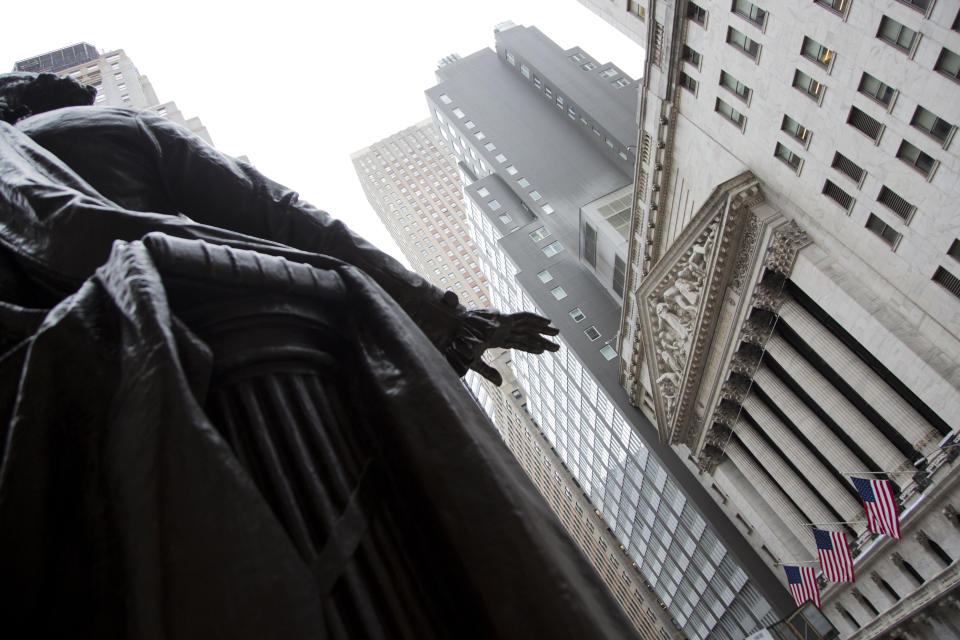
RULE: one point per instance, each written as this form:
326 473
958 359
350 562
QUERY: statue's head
25 94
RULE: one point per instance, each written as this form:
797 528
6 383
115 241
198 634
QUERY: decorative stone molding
735 389
726 414
768 295
756 330
745 257
787 242
712 453
876 579
898 561
746 360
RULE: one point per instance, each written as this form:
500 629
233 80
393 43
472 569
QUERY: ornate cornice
787 242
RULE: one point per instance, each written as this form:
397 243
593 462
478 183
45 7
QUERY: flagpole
825 524
790 564
877 473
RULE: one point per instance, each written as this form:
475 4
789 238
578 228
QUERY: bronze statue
226 415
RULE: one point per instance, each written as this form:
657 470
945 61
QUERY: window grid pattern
895 203
848 167
884 231
838 195
865 124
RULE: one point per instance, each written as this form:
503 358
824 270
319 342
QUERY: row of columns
805 489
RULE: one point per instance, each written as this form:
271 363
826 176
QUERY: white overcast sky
297 86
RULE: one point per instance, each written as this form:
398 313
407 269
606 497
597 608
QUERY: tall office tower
413 184
545 138
117 80
792 313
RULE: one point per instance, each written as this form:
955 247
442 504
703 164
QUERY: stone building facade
792 314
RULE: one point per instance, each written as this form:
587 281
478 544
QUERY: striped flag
803 584
880 505
835 558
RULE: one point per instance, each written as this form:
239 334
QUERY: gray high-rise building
545 139
413 183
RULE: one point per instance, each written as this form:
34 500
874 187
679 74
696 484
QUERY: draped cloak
125 512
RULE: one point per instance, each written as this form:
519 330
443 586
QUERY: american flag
803 584
880 505
835 558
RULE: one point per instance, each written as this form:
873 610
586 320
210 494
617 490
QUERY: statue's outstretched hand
522 330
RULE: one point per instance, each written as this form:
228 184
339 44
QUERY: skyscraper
546 138
791 317
414 185
115 77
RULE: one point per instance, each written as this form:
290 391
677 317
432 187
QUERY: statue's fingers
487 372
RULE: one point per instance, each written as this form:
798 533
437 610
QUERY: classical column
800 546
831 490
793 485
864 380
806 421
886 456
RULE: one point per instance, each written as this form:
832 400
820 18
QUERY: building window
948 64
895 203
589 66
480 135
525 70
559 101
523 182
545 276
876 90
539 234
577 314
742 42
848 167
865 124
727 81
592 333
921 5
838 195
608 352
512 170
483 192
552 249
506 219
787 156
608 73
510 58
577 57
621 82
547 209
547 91
808 85
572 113
730 113
930 123
687 83
558 293
500 158
795 129
947 280
590 244
916 158
445 99
750 11
884 231
691 56
697 13
537 82
469 124
494 205
813 50
619 275
837 6
535 195
490 146
896 34
954 250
